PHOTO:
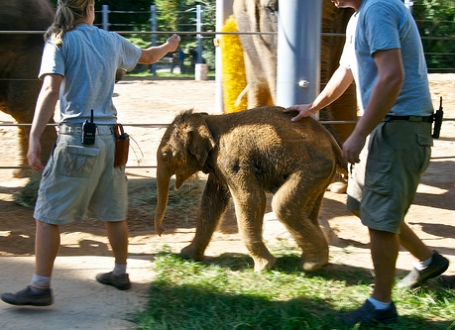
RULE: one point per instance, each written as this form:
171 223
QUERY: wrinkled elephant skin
260 55
246 155
20 60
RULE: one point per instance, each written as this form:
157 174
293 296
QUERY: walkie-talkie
437 117
88 131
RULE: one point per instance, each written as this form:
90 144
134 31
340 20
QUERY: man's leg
379 308
384 252
431 263
410 241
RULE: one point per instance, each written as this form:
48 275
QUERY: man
390 146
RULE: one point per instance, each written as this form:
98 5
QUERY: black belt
427 119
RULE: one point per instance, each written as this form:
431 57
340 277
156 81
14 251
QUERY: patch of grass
225 293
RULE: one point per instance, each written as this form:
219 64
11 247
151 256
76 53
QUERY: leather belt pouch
122 146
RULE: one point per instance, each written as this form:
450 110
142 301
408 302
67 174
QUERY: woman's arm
44 111
154 54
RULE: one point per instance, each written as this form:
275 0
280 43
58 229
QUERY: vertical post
299 43
223 11
105 11
153 27
199 29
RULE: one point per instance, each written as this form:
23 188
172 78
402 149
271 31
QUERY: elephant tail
341 163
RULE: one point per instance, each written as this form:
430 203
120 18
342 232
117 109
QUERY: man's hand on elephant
34 156
304 110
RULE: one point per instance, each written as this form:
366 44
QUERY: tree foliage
436 22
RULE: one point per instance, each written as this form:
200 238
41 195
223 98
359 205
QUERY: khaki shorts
80 179
382 186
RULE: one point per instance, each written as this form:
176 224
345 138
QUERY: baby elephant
246 155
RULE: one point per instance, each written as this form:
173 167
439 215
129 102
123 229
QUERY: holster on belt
122 146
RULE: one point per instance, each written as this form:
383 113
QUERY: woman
78 69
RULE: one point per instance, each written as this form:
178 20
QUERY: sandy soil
148 101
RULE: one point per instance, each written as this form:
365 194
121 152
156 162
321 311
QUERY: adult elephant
246 155
260 56
20 59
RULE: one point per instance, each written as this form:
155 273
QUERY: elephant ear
201 141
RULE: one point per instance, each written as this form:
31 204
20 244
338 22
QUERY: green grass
225 293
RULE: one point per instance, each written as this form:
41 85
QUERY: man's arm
337 85
383 97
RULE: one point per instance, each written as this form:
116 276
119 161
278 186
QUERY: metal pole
105 11
153 26
223 11
199 29
299 43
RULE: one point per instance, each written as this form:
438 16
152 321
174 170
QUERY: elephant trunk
163 180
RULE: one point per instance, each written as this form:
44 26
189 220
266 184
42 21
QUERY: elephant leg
250 209
23 133
214 201
297 204
228 223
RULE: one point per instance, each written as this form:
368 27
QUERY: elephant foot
191 253
339 187
261 264
28 194
328 232
22 173
309 266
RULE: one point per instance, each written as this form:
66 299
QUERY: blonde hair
69 13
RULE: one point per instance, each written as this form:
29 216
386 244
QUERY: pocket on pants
77 161
425 141
378 177
380 166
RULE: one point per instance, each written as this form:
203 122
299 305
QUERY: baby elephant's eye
166 156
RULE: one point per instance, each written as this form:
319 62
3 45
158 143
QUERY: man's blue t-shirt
88 60
388 24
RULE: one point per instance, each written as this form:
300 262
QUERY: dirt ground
148 101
